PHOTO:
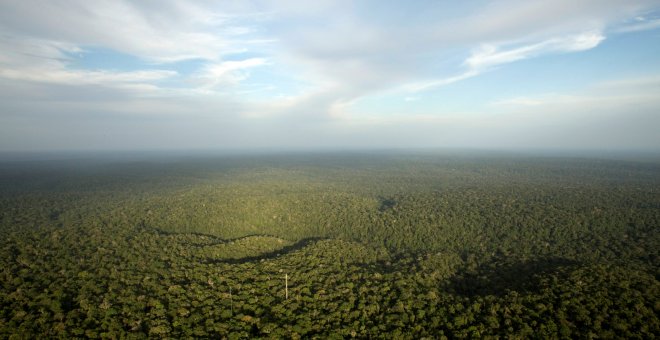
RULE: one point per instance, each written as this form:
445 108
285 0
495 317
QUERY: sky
293 74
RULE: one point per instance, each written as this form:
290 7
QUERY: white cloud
646 83
398 53
345 57
165 31
492 55
46 61
518 101
68 77
610 115
641 24
331 42
600 97
35 46
616 114
329 53
488 56
226 72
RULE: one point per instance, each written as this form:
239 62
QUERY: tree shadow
215 240
212 239
269 255
501 277
386 204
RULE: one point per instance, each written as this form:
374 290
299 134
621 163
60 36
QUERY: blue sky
136 75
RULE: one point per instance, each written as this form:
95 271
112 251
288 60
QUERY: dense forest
330 245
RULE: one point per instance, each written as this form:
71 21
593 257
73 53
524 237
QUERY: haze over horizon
173 75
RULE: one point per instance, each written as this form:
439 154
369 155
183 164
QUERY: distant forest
330 245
